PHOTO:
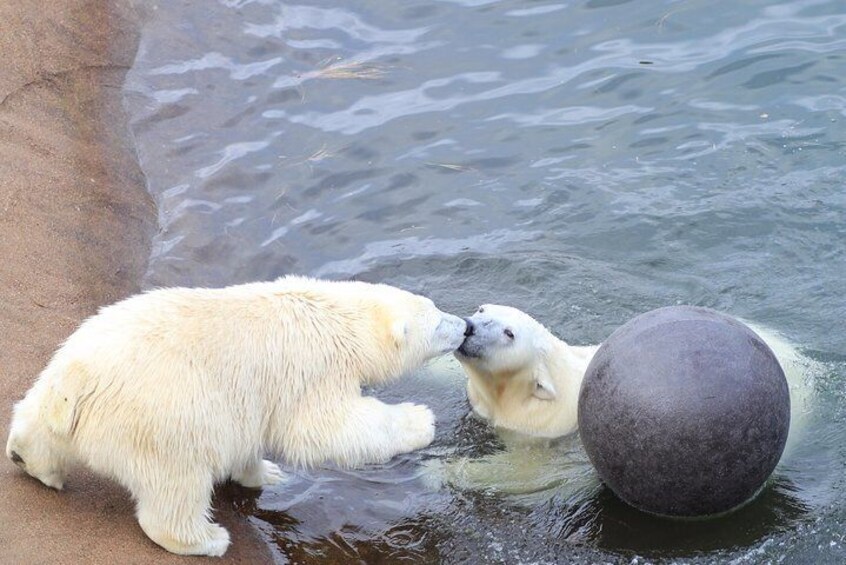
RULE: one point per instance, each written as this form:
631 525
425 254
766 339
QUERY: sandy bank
75 226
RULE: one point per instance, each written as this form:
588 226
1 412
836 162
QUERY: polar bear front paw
263 473
416 426
205 539
217 542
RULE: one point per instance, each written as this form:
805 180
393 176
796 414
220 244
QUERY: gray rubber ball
684 412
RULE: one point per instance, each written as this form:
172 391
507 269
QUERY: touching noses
470 329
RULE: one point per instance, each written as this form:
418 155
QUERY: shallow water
584 161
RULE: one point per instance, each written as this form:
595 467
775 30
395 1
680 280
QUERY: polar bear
525 382
170 391
520 376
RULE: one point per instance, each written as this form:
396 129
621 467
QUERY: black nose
16 458
470 329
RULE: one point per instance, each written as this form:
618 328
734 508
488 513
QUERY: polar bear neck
565 367
510 400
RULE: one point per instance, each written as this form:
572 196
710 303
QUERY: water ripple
237 70
489 243
572 115
230 153
373 111
290 17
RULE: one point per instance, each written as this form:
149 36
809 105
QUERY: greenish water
584 161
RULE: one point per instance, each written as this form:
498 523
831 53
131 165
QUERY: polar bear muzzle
485 333
450 332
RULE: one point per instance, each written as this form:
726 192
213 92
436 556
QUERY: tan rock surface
75 225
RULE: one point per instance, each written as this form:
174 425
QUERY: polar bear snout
483 335
450 333
33 449
498 334
12 450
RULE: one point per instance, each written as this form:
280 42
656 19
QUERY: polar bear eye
509 333
481 310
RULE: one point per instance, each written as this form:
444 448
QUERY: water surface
585 161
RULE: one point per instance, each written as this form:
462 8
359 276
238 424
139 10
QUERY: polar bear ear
544 389
60 414
61 402
399 328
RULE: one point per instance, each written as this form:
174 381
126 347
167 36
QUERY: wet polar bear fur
170 391
520 376
523 379
527 387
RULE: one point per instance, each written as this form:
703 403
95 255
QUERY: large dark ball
684 412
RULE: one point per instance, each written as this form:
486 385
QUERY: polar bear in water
525 382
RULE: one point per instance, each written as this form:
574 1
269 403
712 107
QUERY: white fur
173 390
529 383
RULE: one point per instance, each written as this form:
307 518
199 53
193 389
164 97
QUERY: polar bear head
520 376
502 339
401 330
33 445
416 328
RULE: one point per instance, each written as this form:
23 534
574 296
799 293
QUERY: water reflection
611 524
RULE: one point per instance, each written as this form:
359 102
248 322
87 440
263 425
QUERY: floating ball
684 412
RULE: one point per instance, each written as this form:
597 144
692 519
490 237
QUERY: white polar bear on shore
173 390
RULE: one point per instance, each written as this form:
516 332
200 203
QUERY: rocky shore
75 229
